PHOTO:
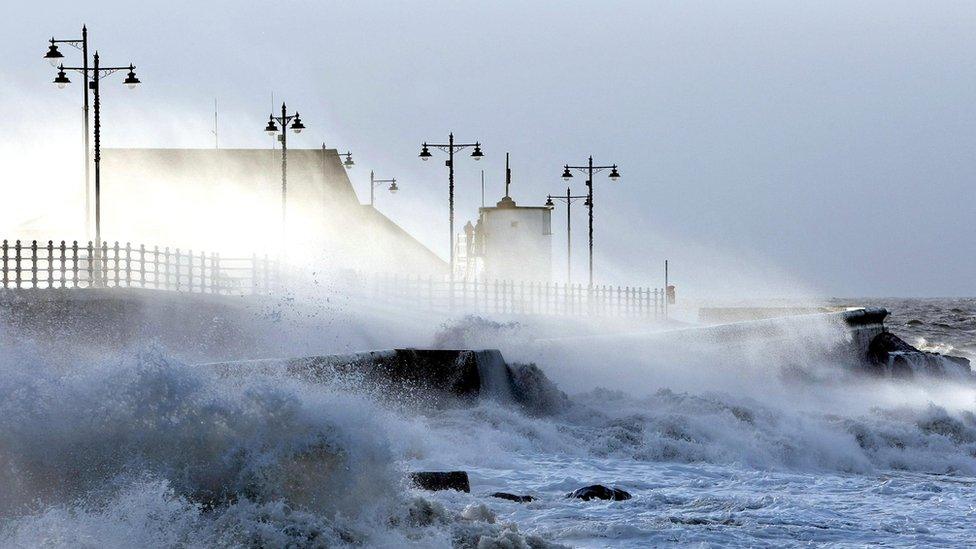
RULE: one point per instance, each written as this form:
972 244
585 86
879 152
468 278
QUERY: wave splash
156 453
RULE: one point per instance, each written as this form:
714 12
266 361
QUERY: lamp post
97 72
56 58
296 126
589 169
373 183
568 199
450 147
348 163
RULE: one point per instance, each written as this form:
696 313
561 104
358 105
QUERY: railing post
513 293
50 263
128 264
189 271
103 265
177 262
33 260
569 307
155 267
531 300
142 265
90 251
17 274
165 268
522 296
215 280
74 263
6 259
497 309
545 304
62 250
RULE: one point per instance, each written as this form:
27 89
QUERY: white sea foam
151 452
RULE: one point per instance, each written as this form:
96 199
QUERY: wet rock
598 491
441 480
891 355
513 497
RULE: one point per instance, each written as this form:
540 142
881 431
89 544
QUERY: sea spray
77 444
153 452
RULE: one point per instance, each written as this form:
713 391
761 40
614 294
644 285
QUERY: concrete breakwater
429 377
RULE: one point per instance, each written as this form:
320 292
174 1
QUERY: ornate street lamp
589 169
568 199
93 77
373 183
272 129
450 147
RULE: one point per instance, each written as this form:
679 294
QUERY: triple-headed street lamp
568 199
589 169
373 183
93 76
56 58
449 148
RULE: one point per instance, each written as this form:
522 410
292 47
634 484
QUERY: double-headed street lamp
568 199
373 183
93 76
296 126
589 169
449 148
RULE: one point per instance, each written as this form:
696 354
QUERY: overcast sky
823 147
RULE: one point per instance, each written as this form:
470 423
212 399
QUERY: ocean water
142 451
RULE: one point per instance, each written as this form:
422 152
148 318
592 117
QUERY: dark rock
891 355
598 491
513 497
430 377
441 480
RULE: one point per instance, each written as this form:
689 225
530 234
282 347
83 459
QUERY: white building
509 242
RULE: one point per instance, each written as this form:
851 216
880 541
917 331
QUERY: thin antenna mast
666 282
508 176
216 139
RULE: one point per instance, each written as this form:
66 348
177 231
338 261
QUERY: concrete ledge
425 374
